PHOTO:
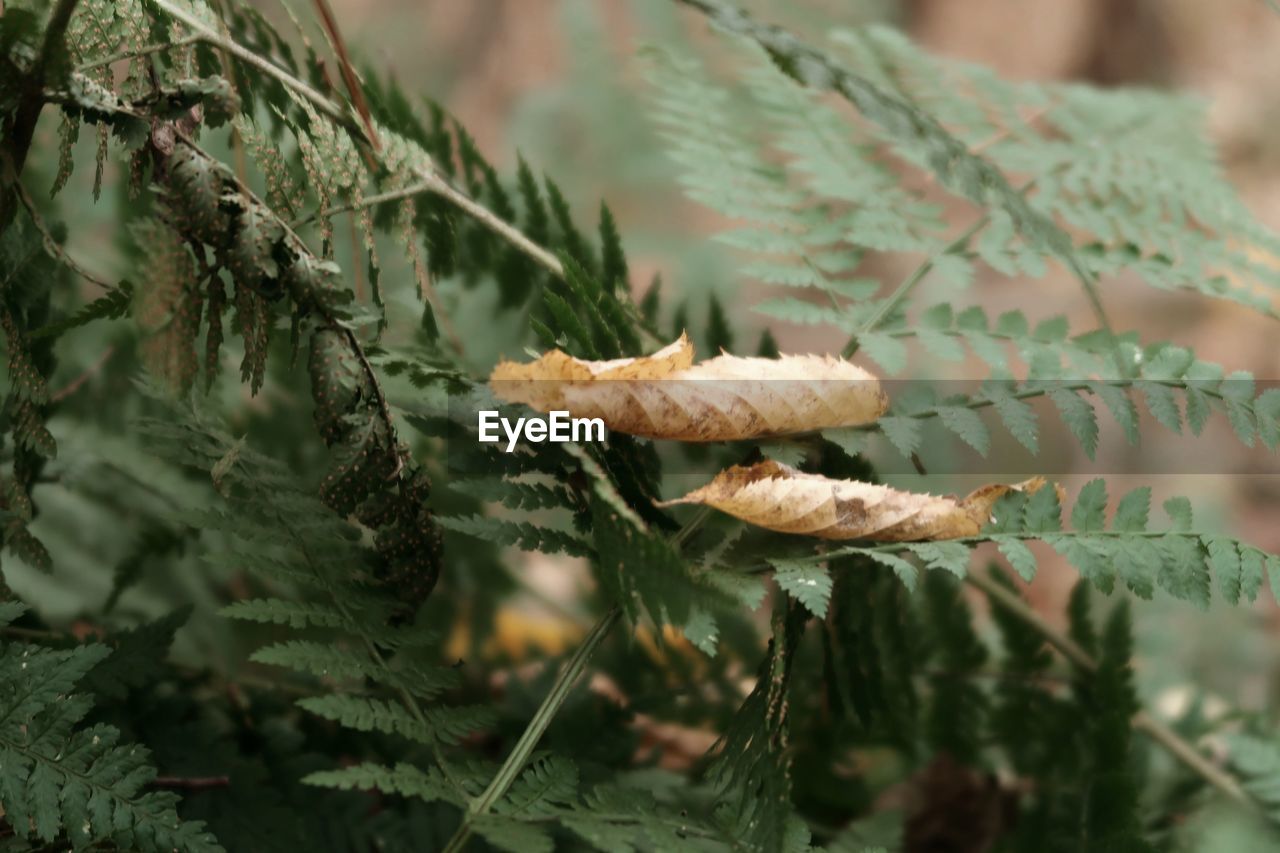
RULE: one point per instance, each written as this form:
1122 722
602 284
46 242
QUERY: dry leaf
778 497
726 398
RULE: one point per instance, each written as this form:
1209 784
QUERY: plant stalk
904 289
27 112
1143 722
207 34
515 762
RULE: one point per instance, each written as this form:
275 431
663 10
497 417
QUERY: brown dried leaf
778 497
726 398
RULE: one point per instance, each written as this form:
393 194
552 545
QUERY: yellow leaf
726 398
778 497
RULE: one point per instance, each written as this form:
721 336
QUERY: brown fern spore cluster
372 478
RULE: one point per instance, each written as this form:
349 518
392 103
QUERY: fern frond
515 494
429 785
59 780
362 641
110 306
523 534
1179 560
336 662
752 770
434 726
807 583
1177 389
646 575
545 786
957 708
279 611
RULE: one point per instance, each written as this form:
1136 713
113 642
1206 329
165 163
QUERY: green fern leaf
1019 557
522 534
1079 416
1090 511
951 556
366 714
1133 511
59 780
404 779
808 583
967 425
906 572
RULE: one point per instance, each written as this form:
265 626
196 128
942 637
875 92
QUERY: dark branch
29 106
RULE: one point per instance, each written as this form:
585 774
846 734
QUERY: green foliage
63 779
1180 560
752 771
340 554
279 530
1257 760
1110 810
954 724
820 200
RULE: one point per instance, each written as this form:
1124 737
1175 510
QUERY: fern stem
1143 722
546 712
365 202
904 289
1090 284
982 538
493 222
681 536
139 52
430 181
203 32
1031 393
354 89
30 101
51 246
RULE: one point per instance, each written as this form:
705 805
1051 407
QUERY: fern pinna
346 548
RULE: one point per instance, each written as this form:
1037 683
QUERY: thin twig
139 52
515 762
904 289
1142 720
191 783
431 182
520 753
91 371
323 102
367 202
31 100
354 89
51 245
493 222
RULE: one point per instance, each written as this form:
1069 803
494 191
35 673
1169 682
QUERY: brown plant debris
778 497
726 398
